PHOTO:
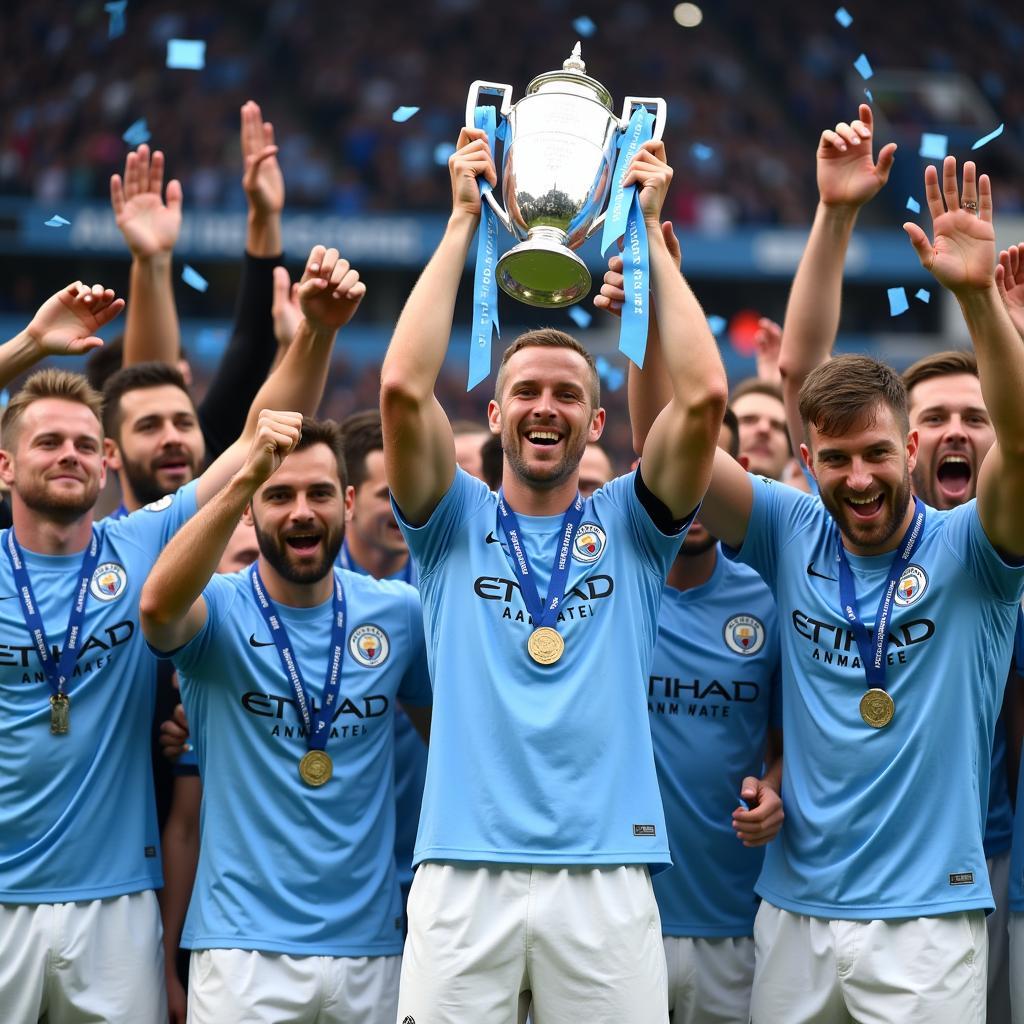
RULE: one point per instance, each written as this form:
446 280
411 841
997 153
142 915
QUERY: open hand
66 323
262 178
847 172
1010 281
149 224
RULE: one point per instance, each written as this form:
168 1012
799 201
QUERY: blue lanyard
543 613
873 649
57 673
317 720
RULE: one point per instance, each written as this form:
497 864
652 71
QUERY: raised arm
962 258
329 293
171 608
150 226
679 448
419 451
64 325
1010 281
848 177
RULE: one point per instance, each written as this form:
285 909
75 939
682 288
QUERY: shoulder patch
744 634
108 581
369 645
160 504
589 543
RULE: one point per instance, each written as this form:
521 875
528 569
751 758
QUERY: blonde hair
49 383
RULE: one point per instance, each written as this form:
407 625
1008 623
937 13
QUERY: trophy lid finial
575 61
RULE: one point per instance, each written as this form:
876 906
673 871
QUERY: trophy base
542 272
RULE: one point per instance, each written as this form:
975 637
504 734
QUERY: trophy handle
472 102
628 106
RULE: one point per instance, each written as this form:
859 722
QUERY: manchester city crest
913 583
369 645
108 581
589 543
744 634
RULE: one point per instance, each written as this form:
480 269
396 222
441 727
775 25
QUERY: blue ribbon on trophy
626 220
485 284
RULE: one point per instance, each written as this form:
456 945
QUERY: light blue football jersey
77 812
410 755
713 690
999 819
1017 849
285 867
884 823
541 764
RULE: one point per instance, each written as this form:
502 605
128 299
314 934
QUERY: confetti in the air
871 98
717 324
986 139
933 147
187 54
898 301
585 26
863 66
194 279
580 317
923 295
701 152
57 221
403 114
844 17
612 376
442 151
137 133
913 205
116 12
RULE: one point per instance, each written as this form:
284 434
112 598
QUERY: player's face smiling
58 465
545 417
373 521
955 433
864 479
299 515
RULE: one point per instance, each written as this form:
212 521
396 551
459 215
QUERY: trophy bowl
561 141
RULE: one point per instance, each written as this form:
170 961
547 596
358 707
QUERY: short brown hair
362 434
49 383
549 337
329 433
136 377
756 386
940 364
840 393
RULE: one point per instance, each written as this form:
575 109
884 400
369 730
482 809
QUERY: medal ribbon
57 673
317 720
625 220
546 613
485 283
873 649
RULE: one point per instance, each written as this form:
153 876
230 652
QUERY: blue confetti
403 114
612 376
717 324
5 398
580 317
923 294
442 151
933 147
137 133
913 205
844 17
585 26
701 152
188 54
56 221
871 99
116 12
898 301
986 139
194 279
863 66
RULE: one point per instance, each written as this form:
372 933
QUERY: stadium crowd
731 734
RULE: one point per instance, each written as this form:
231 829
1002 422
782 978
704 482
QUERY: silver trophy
559 157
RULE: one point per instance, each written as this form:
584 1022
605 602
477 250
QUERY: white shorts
98 960
709 979
999 940
274 988
584 942
916 970
1016 929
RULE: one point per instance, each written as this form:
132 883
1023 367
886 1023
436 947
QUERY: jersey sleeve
153 525
414 688
430 542
778 514
219 595
657 549
966 539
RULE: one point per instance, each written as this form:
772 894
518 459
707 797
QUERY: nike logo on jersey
491 539
811 571
253 642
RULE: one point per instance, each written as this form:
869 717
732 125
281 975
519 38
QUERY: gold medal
60 714
315 768
877 708
545 645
